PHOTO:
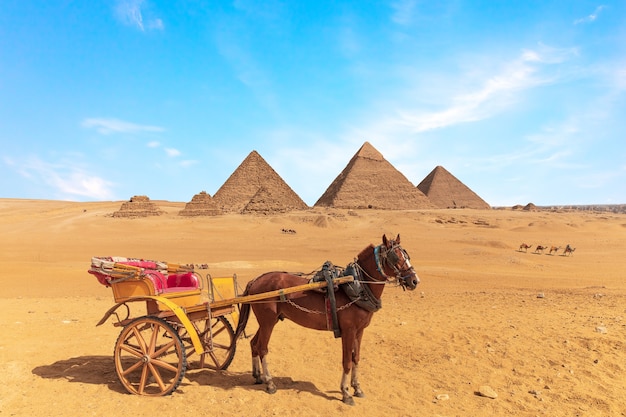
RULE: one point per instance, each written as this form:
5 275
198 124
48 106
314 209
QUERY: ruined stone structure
138 206
201 204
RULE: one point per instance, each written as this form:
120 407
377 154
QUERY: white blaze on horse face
409 267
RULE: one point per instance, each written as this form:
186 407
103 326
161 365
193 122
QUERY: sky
523 101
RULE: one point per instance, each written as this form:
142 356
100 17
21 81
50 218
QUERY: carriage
187 313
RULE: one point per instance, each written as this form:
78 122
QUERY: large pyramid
446 191
243 184
201 205
370 181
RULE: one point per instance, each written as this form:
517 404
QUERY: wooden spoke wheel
149 357
218 338
220 344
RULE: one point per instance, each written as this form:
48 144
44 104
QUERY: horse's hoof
348 400
271 389
359 394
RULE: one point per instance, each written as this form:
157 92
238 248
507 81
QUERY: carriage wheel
218 338
221 346
149 357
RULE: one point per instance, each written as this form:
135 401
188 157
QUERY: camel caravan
553 250
256 188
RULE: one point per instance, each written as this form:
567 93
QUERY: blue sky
523 101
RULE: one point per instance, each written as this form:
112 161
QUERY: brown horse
373 267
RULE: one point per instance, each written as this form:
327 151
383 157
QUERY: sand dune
546 332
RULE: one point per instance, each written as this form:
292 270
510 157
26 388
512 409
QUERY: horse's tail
244 315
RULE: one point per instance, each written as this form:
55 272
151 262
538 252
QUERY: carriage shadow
100 370
96 370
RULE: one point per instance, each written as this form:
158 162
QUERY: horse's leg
267 377
256 361
348 339
260 350
356 355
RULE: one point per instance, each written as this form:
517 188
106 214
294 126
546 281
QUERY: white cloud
130 13
592 17
108 126
171 152
68 179
188 162
494 94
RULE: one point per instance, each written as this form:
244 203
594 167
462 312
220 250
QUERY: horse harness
359 294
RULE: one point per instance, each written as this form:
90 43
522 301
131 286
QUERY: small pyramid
446 191
138 206
201 205
370 181
265 202
251 175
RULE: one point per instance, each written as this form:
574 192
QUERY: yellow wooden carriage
186 313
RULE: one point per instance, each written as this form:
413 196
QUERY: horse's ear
398 239
385 239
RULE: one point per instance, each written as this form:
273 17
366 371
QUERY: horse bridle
390 258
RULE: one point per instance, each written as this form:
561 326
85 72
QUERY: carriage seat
155 272
169 283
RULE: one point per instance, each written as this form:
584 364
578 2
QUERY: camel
554 249
568 250
525 247
540 249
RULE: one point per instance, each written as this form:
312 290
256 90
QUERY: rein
382 258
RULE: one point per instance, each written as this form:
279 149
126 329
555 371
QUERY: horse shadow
100 370
228 380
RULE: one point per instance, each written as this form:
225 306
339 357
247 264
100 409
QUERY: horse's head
398 260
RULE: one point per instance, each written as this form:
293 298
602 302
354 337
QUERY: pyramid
247 180
200 205
264 202
138 206
446 191
370 181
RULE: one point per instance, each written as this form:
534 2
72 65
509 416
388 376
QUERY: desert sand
546 332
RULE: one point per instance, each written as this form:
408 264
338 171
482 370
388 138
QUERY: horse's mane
363 254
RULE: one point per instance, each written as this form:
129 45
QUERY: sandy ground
546 332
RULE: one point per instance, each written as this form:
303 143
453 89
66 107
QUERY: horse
373 267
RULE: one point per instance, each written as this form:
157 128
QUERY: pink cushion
158 280
141 264
183 280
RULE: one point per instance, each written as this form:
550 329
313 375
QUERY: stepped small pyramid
138 206
370 181
446 191
245 182
201 204
264 202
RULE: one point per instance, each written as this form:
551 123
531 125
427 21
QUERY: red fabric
102 278
185 279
